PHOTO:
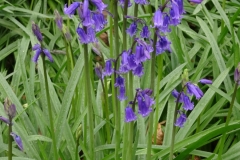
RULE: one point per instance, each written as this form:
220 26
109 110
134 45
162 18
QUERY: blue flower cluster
183 98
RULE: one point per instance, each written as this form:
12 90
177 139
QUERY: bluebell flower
138 71
187 104
129 114
87 20
174 14
158 19
165 27
48 54
181 119
18 140
121 2
108 71
132 29
37 32
196 1
122 93
58 20
131 62
146 92
119 81
145 32
124 62
99 4
180 6
139 54
71 9
142 2
237 74
205 81
175 94
163 45
91 35
39 50
194 90
147 48
84 9
83 37
98 71
99 21
5 120
143 108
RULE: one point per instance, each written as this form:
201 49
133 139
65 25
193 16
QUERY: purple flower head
70 10
36 47
99 21
119 81
174 14
98 71
18 140
131 62
187 104
163 45
121 2
99 4
108 71
83 37
143 108
9 108
5 120
237 74
85 9
132 29
138 71
165 27
181 119
48 54
87 20
139 54
129 114
205 81
142 2
145 32
175 94
58 20
122 93
147 48
194 90
180 6
38 50
196 1
124 62
91 35
37 32
158 19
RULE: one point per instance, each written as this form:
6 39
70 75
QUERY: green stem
49 109
76 151
10 140
150 131
222 140
89 102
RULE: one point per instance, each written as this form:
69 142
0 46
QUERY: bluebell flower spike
129 114
181 120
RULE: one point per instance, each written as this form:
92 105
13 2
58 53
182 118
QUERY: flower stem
10 140
89 102
49 109
222 140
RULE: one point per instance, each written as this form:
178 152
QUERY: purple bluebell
139 54
237 74
58 20
147 92
99 4
119 81
132 29
108 70
83 37
18 140
99 21
174 14
180 6
124 62
122 93
147 47
129 114
187 104
158 19
91 35
37 32
84 9
70 10
5 120
175 94
148 100
143 108
98 71
163 45
181 119
9 108
194 90
205 81
131 62
145 32
38 50
121 3
196 1
165 27
138 71
48 54
142 2
87 20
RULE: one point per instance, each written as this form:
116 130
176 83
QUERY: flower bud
237 74
9 108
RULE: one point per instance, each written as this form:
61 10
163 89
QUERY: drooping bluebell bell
194 90
142 2
143 108
99 4
119 81
129 114
145 33
58 19
180 6
91 35
138 71
40 50
131 62
121 2
165 27
122 93
181 119
174 14
147 47
37 32
139 54
5 120
70 10
205 81
124 62
108 70
196 1
88 36
175 94
87 20
187 104
158 19
18 140
163 45
99 21
132 29
98 71
237 74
